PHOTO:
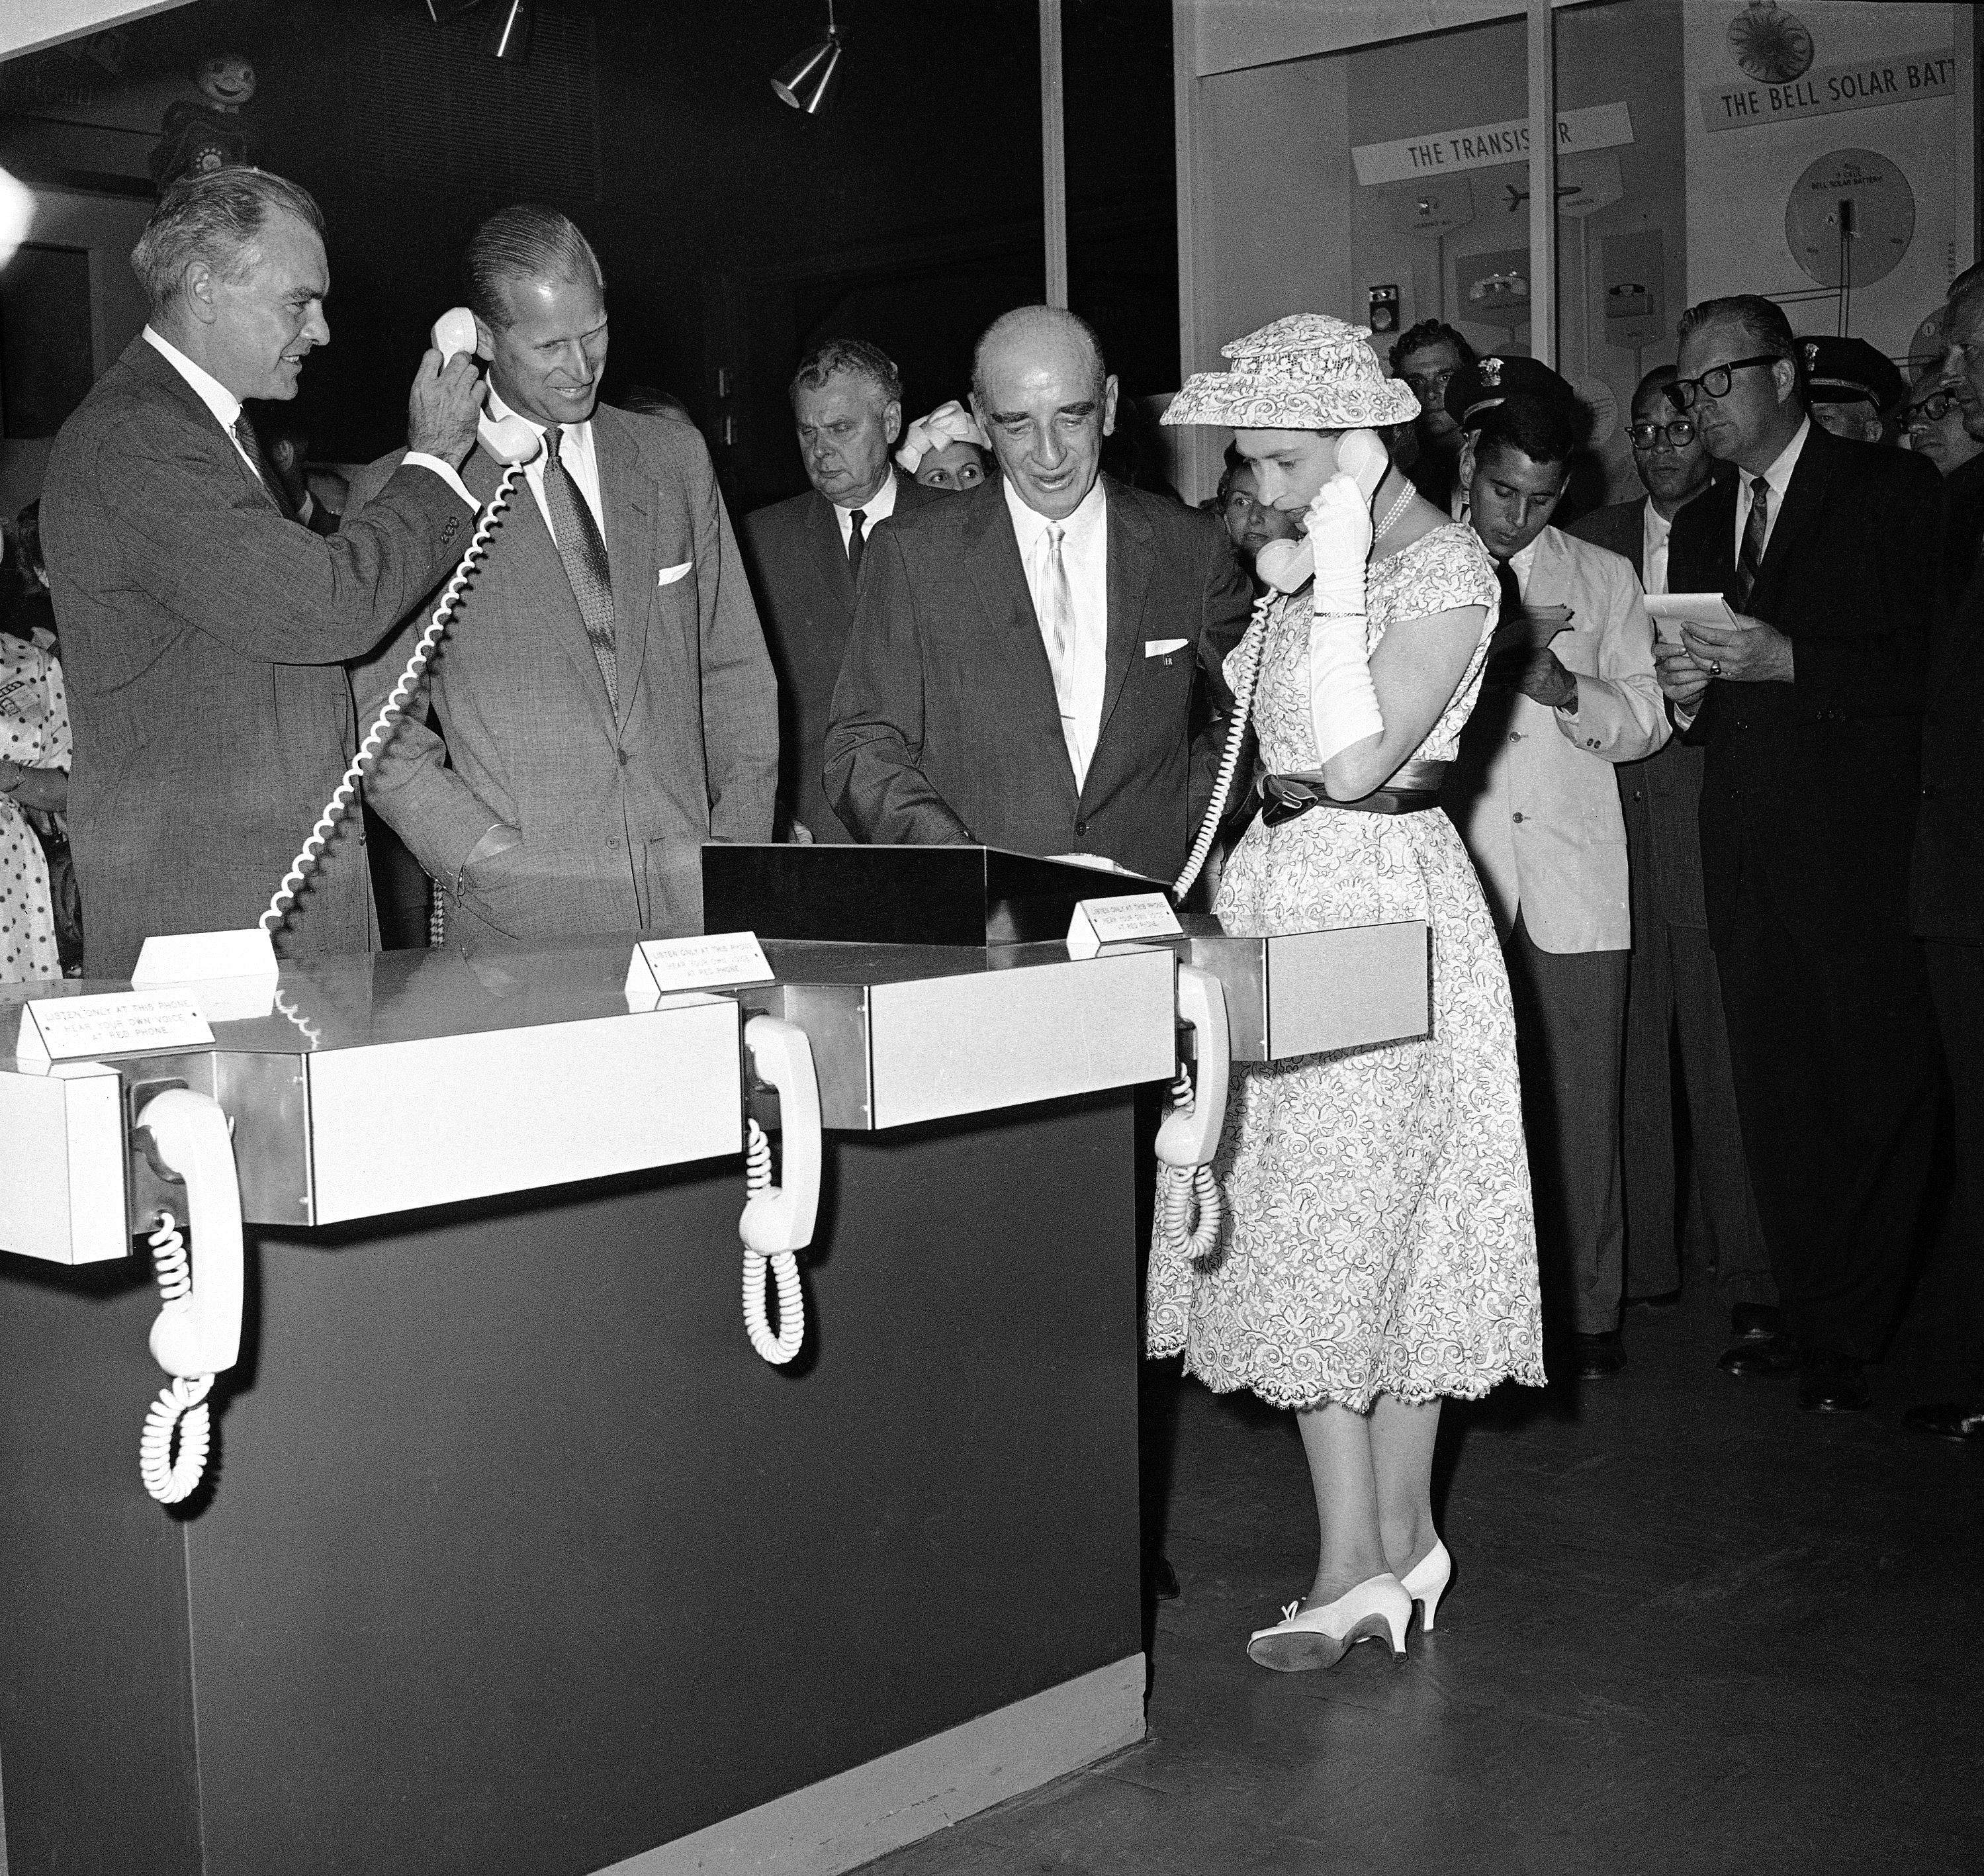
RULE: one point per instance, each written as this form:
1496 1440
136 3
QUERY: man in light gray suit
204 628
604 688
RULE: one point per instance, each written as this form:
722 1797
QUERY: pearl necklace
1397 508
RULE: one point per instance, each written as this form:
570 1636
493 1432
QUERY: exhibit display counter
511 1554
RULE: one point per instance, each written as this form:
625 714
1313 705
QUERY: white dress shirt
1779 476
878 507
1656 531
1084 553
575 453
226 409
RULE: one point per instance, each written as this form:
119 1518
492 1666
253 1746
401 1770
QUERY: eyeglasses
1932 410
1678 434
1714 382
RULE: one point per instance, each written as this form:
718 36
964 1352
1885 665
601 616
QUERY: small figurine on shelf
208 135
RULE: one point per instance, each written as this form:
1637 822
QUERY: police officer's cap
1850 371
1476 388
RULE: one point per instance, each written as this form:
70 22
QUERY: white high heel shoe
1426 1581
1377 1606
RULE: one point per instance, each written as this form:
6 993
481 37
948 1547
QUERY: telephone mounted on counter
778 1219
197 1335
1189 1207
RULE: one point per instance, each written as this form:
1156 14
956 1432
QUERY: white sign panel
663 964
1482 146
60 1029
1130 916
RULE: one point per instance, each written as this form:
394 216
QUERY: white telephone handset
1287 565
779 1220
508 439
1188 1136
198 1332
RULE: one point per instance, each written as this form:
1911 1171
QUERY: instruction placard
1122 919
65 1029
660 965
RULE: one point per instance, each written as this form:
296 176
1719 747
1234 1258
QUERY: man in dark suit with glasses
1674 991
1808 707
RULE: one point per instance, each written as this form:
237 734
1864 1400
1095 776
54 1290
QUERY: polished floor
1692 1629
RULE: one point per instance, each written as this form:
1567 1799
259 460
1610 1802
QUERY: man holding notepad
1570 692
1808 704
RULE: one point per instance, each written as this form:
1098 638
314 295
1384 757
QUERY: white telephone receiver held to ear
509 439
1287 565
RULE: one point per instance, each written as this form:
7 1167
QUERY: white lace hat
1306 372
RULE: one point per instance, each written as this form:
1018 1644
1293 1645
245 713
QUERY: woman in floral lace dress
1378 1249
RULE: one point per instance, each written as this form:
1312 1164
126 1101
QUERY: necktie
1512 593
1061 642
251 447
1755 531
584 553
856 544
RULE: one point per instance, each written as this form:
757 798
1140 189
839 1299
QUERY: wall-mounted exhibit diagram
1821 156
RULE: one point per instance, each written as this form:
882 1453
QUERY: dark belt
1413 790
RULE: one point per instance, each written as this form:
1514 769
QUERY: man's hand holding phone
443 406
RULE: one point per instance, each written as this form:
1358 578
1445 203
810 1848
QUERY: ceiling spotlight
806 83
508 37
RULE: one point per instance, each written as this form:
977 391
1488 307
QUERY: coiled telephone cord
780 1349
1189 1206
346 791
1248 672
181 1408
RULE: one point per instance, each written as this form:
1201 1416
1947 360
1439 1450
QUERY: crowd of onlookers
1732 847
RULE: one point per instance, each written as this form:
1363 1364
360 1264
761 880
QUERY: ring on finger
1715 670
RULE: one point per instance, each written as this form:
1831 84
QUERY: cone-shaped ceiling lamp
807 82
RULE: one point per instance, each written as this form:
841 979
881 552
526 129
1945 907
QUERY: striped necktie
584 553
251 447
1756 531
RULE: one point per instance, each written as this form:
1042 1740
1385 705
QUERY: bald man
1029 658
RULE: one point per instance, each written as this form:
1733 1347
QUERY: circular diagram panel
1851 216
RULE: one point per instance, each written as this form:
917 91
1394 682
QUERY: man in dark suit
1025 656
1809 709
803 554
1672 988
203 627
604 689
1947 882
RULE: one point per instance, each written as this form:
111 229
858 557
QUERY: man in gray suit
204 628
1672 988
1027 655
804 554
604 689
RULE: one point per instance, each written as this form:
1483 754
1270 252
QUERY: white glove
1338 526
1343 702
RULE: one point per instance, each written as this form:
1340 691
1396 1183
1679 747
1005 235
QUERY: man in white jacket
1533 795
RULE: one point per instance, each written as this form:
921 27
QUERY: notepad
1671 612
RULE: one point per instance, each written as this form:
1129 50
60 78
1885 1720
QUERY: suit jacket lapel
627 497
1131 560
994 561
1816 463
535 582
823 534
149 362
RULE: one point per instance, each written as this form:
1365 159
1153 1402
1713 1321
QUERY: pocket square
667 576
1164 648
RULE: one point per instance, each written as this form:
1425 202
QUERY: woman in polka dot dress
34 773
